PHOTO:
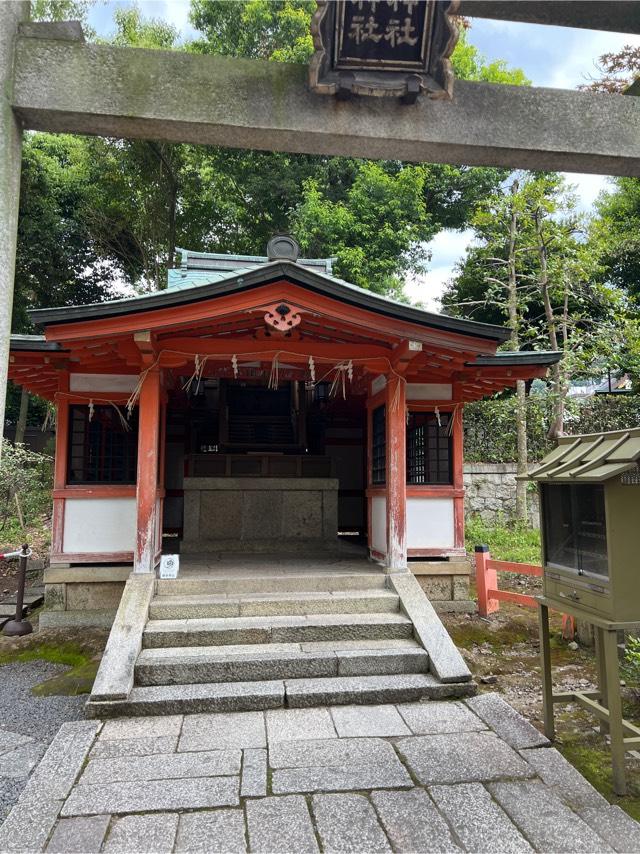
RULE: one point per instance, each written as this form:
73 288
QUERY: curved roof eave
246 280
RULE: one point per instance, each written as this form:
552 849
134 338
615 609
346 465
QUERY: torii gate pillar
10 160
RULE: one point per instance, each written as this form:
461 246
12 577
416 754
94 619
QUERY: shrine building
256 405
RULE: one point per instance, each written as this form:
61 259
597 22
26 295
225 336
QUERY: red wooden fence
490 595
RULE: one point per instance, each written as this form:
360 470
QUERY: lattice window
101 450
379 446
429 449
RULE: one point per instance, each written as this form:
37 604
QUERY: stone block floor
430 776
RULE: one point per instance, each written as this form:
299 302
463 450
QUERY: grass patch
506 541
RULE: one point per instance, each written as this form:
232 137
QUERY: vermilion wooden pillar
61 463
457 452
396 473
148 465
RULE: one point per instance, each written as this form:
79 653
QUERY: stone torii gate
51 80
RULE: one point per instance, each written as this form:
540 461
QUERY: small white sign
169 566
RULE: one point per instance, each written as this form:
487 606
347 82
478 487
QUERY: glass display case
590 524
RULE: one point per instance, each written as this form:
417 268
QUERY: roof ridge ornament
283 247
398 48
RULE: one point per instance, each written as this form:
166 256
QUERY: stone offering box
590 523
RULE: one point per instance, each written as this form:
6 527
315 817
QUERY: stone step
402 688
186 665
260 630
282 582
296 693
199 606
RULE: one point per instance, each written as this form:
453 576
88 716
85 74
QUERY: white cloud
446 248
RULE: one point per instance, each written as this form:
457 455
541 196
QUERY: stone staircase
221 643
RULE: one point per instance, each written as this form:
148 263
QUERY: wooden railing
490 595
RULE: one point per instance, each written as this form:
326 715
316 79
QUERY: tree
140 200
57 262
617 71
257 29
563 303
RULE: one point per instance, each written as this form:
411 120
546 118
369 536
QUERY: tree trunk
21 426
557 420
521 390
522 463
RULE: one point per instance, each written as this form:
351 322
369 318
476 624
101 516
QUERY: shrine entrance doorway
255 469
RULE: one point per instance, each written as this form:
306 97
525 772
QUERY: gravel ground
28 723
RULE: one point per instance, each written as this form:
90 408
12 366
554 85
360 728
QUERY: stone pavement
426 776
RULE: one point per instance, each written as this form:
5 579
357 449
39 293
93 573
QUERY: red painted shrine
259 403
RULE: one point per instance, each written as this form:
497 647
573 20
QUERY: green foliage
469 64
377 232
489 436
60 10
630 667
616 234
100 211
36 414
57 260
27 477
259 29
132 30
506 540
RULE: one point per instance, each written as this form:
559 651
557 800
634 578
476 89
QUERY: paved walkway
28 723
433 776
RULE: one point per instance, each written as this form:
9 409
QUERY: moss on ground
591 756
72 655
507 645
77 680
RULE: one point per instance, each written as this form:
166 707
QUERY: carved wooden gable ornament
383 47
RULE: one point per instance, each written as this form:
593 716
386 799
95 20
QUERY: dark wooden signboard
383 47
374 34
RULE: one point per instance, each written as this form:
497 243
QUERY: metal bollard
18 626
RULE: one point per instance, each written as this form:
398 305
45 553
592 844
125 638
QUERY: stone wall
491 492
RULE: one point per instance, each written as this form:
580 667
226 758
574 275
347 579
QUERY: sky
557 57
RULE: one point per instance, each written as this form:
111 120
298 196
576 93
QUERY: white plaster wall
102 382
99 525
429 391
379 524
430 523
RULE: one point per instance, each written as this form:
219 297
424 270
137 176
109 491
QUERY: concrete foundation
82 595
446 583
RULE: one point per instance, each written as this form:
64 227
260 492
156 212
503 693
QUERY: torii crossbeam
51 80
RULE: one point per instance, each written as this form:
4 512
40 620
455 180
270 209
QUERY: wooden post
486 579
545 662
457 453
396 473
614 704
61 464
598 636
148 466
